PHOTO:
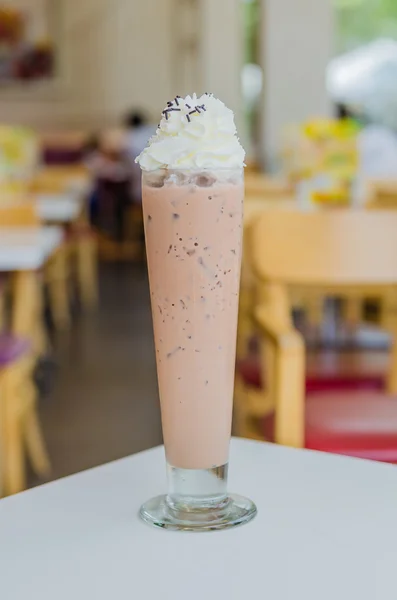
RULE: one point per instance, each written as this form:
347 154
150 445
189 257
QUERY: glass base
235 510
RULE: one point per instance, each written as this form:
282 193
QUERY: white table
27 248
24 250
62 207
326 530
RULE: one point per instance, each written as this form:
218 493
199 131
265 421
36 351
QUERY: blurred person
349 116
90 150
343 112
138 132
108 158
110 166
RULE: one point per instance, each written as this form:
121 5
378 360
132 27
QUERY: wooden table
27 248
326 529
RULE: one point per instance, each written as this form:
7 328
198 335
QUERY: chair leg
41 342
315 310
290 386
34 440
352 312
58 290
14 462
390 320
2 310
240 409
24 292
391 383
87 272
245 329
59 305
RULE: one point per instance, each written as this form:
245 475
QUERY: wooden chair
254 206
344 251
21 214
80 246
20 426
78 259
382 195
312 304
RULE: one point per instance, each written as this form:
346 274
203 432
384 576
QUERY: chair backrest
329 247
59 179
21 214
64 139
382 194
264 185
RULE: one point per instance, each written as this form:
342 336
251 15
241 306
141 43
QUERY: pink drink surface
193 239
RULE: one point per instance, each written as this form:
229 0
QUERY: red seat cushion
250 370
62 156
359 424
319 379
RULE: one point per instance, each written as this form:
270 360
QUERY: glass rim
193 170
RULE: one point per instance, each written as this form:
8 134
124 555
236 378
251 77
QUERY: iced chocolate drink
193 192
193 231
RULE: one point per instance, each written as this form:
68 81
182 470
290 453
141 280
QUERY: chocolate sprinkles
171 108
168 110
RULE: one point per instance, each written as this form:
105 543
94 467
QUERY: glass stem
195 490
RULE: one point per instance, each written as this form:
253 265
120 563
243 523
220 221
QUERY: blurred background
313 84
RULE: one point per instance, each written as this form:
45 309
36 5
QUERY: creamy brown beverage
193 193
193 234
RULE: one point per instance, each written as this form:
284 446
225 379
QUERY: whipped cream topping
194 133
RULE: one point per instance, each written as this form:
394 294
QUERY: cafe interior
312 84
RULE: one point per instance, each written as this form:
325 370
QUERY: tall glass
193 230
